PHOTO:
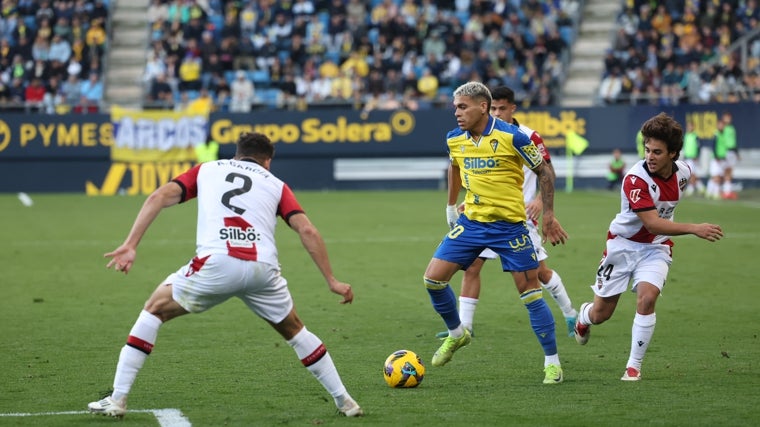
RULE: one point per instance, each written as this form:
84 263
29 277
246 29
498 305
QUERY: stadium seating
34 24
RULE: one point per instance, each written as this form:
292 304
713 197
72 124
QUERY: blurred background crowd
377 54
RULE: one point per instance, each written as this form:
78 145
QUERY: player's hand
709 232
451 215
534 208
342 289
553 232
122 258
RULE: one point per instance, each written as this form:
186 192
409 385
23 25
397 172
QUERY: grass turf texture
64 318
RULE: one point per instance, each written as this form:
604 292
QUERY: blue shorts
510 240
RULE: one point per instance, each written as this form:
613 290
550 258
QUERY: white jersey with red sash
238 205
642 191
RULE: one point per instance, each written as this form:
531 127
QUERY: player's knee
435 285
544 274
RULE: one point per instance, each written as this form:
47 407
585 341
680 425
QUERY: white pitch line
166 417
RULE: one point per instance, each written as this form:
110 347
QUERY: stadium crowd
377 54
51 54
383 54
677 51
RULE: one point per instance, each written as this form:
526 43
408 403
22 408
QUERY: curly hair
666 129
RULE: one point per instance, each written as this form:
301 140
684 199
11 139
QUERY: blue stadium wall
72 153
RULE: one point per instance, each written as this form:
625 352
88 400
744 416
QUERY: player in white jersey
503 107
239 201
639 249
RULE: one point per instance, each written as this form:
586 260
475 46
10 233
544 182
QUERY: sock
727 187
541 319
139 345
713 189
583 315
317 360
444 302
557 290
467 311
641 335
551 360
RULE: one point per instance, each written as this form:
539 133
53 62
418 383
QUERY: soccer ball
403 369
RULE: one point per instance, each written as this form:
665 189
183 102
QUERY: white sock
713 189
727 186
557 290
317 360
641 335
583 315
139 345
467 311
551 360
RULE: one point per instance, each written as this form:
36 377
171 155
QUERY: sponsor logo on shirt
480 163
238 233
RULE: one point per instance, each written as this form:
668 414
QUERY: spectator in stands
41 49
62 26
16 91
96 35
434 45
158 10
153 67
72 89
161 93
99 11
289 91
17 69
190 73
34 94
427 85
54 97
242 93
611 86
60 49
92 91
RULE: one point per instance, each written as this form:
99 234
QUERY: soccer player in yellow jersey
488 155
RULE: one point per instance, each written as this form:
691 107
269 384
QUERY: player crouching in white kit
639 248
239 201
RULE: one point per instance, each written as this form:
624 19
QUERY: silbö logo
478 163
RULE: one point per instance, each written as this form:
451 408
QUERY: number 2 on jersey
227 196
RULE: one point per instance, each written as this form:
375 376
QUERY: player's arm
167 195
312 241
534 208
661 226
551 228
455 186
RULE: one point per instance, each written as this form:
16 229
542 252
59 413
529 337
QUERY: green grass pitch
64 318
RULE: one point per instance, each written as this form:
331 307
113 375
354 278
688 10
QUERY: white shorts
534 237
732 158
626 262
199 286
717 167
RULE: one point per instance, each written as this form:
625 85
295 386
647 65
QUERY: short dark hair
255 145
503 92
666 129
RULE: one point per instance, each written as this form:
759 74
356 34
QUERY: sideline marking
166 417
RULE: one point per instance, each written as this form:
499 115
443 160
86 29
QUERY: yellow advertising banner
157 136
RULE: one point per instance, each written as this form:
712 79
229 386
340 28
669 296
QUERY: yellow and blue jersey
491 170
